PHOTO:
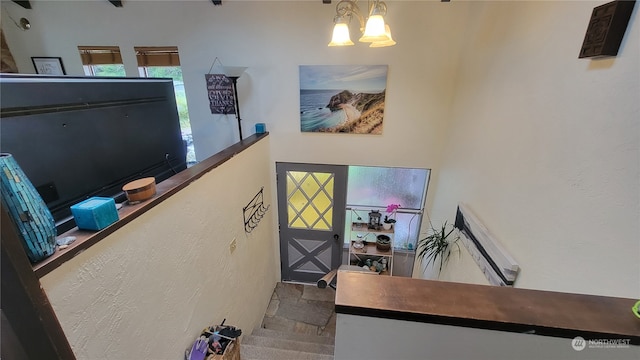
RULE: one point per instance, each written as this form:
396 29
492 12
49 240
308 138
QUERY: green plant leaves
437 246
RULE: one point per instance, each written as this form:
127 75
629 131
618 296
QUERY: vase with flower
389 219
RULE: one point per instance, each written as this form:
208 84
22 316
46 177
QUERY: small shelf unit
370 251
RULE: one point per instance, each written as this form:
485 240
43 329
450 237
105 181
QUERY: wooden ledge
487 307
164 190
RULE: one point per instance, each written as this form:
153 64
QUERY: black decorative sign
220 90
606 29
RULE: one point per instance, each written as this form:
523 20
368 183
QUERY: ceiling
118 3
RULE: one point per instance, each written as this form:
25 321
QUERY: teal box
95 213
261 128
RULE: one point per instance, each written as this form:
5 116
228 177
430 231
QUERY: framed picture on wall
48 65
342 98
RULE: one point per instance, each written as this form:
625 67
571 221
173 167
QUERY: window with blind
157 56
164 62
102 61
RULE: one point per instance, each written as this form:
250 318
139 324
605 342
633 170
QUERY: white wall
541 145
408 340
272 38
148 290
544 147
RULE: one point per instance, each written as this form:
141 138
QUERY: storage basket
232 352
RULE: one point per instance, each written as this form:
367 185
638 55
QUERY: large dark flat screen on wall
81 137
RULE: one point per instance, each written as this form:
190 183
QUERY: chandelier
376 31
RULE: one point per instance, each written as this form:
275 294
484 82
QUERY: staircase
299 324
265 344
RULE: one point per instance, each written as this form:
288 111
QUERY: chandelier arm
382 6
350 8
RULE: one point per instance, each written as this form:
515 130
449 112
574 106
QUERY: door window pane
310 200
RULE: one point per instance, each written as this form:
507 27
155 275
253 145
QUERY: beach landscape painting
342 98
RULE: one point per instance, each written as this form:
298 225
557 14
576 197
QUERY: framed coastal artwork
342 98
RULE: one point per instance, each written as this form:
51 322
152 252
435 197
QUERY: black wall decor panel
606 29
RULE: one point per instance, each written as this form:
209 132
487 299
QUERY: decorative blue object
95 213
27 210
261 128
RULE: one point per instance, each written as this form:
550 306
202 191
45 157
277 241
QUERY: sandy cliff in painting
364 112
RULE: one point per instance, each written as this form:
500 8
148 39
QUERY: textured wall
146 291
544 147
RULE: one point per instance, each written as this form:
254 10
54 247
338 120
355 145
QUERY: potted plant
388 219
436 247
388 223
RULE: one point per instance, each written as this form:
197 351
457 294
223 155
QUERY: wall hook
254 211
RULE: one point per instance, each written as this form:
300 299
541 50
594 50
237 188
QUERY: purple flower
391 208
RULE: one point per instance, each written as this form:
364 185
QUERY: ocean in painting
314 113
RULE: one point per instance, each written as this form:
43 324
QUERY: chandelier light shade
341 35
384 43
374 28
374 31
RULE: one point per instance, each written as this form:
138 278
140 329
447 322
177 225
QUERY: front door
311 212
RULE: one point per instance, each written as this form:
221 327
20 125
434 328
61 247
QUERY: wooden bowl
140 190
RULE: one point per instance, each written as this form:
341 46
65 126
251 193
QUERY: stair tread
287 344
294 336
248 351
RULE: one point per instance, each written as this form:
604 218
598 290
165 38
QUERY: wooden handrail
548 313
